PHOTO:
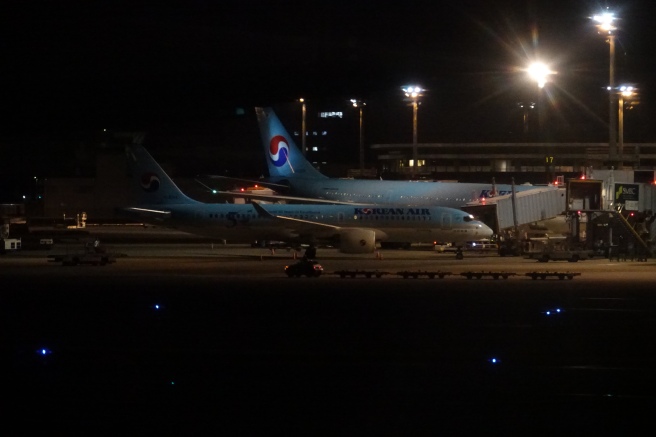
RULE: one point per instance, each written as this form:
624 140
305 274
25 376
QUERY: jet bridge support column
514 207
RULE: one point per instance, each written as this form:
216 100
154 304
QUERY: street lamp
413 93
606 27
303 148
539 72
360 104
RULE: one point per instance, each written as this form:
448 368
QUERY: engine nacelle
357 241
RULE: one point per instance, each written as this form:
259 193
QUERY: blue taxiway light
556 311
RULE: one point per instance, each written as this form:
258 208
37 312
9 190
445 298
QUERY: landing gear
459 254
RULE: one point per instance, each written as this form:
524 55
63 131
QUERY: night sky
176 68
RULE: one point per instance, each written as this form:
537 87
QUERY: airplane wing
350 240
262 182
274 197
156 214
299 224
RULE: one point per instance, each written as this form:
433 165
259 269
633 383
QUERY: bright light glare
626 91
538 71
605 21
413 91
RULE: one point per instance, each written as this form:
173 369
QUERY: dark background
189 74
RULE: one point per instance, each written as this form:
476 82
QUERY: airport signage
627 195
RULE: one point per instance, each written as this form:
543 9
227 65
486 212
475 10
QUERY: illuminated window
331 114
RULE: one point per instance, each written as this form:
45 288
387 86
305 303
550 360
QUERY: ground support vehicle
305 267
479 275
95 259
570 255
545 275
509 247
556 249
9 244
92 254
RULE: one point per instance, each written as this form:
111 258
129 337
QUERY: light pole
625 92
303 148
413 93
525 109
539 72
360 105
606 27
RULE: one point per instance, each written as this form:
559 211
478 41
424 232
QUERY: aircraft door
446 221
199 218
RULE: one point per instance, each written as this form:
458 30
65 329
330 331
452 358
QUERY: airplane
291 172
352 228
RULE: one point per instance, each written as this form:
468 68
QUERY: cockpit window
468 218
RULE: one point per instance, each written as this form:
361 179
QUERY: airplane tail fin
148 181
283 158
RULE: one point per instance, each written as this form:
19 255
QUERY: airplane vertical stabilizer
149 182
284 159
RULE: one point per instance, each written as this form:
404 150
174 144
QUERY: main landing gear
459 254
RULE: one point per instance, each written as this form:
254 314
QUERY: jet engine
357 241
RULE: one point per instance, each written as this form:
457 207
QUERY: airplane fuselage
448 194
242 223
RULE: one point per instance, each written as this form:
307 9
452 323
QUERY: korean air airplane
290 169
354 229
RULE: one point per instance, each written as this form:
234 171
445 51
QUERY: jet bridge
576 212
505 212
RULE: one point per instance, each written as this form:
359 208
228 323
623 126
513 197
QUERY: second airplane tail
284 159
148 181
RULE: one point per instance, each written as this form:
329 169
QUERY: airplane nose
484 230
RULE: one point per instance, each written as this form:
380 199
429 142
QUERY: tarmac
205 338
